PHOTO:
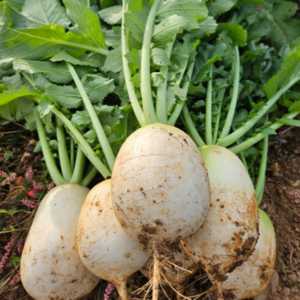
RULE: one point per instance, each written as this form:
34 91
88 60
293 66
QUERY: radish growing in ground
104 247
254 275
230 230
50 264
160 189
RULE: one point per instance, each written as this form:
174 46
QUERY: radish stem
259 189
161 103
233 137
191 127
234 98
180 104
89 177
248 143
127 74
79 167
83 143
208 131
63 153
50 162
109 155
221 97
146 90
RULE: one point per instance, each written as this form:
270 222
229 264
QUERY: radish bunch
171 202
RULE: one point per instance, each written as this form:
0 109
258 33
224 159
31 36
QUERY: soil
282 201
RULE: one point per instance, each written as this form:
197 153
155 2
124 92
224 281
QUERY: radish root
156 275
122 289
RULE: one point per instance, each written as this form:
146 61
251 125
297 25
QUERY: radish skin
230 231
160 188
254 275
50 265
104 247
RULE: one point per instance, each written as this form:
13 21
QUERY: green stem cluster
150 114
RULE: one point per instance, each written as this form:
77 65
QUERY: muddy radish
104 247
51 267
230 231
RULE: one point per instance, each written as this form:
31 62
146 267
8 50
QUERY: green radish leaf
12 82
199 103
112 15
136 17
159 57
66 96
57 73
247 2
104 110
41 82
87 22
207 27
3 88
157 79
236 32
97 87
217 7
112 37
38 13
41 42
81 119
166 29
106 3
45 107
134 59
285 102
207 55
113 61
285 28
258 30
91 136
16 4
12 94
16 110
268 131
189 9
92 60
240 117
289 122
295 107
290 68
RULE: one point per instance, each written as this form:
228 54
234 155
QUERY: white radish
104 247
230 231
160 189
254 275
50 265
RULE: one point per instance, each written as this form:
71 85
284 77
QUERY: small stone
286 291
296 243
263 295
297 151
297 201
274 282
294 277
296 298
